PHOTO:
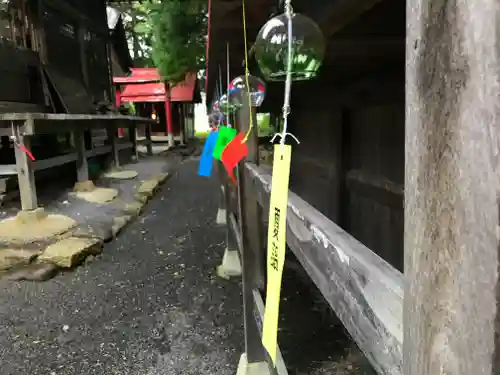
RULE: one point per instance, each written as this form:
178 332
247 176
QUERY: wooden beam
249 215
365 292
451 311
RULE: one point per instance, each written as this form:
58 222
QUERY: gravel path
149 305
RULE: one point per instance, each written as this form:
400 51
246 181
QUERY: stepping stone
121 175
86 190
99 195
33 226
70 252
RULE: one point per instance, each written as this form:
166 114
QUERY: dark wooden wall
350 122
69 37
373 167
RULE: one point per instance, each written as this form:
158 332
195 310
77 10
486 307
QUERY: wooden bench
23 126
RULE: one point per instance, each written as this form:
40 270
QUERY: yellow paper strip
276 246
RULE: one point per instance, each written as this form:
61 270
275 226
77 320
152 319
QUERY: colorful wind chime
226 144
298 57
289 47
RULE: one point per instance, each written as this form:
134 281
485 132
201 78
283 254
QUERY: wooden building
174 113
121 61
56 90
386 241
48 49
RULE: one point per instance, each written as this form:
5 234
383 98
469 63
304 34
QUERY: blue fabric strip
206 159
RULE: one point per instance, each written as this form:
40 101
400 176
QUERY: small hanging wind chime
289 47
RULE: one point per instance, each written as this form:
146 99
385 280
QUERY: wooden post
118 103
249 219
132 129
26 174
149 141
168 116
113 141
182 123
82 167
451 188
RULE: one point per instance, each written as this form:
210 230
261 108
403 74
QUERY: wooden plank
8 170
379 189
54 162
365 292
248 214
40 123
71 157
451 310
19 107
20 116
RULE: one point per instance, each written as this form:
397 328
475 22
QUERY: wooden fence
365 292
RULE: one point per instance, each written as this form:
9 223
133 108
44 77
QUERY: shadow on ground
311 338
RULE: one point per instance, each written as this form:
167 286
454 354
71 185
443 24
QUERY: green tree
136 21
178 37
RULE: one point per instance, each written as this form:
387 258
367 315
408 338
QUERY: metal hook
283 136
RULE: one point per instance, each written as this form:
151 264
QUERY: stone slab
38 227
257 368
230 266
70 251
119 223
99 195
121 175
221 217
148 187
10 257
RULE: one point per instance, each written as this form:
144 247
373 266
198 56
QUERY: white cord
227 90
288 80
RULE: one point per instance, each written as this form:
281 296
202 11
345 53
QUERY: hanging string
227 91
221 117
247 74
220 84
288 81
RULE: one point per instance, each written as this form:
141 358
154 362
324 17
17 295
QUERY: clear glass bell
237 88
225 106
216 118
215 106
271 48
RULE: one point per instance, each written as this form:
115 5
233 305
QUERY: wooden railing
365 292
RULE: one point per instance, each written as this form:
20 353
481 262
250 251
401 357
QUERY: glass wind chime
289 47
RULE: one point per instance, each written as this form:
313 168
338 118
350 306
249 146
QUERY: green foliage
136 21
168 34
179 36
